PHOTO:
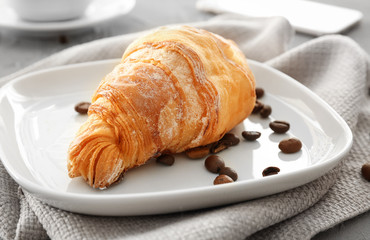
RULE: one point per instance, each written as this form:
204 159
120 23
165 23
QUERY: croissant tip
72 174
106 184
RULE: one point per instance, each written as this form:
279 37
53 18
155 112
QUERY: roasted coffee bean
229 172
221 179
198 152
257 107
230 139
63 39
157 154
219 146
214 163
166 159
265 111
251 135
279 126
290 145
365 171
259 92
82 107
270 171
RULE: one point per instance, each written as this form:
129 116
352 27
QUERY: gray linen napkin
334 67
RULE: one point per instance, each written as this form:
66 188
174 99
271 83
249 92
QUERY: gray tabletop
18 51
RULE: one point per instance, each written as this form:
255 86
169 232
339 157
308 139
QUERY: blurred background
19 48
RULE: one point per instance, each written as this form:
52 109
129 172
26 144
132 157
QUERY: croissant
174 89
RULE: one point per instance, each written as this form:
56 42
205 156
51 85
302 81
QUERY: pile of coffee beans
290 145
216 164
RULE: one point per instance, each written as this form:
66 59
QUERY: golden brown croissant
174 89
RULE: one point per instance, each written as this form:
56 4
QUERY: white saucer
98 12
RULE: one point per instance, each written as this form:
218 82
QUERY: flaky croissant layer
174 89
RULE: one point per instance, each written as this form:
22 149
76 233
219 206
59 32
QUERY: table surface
18 51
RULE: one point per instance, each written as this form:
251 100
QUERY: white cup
49 10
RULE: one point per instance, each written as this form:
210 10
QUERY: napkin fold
334 67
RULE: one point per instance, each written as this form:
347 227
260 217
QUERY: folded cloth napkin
334 67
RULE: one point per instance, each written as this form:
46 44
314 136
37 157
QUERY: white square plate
38 121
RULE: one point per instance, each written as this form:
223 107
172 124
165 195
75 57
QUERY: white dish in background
48 10
38 121
328 19
98 11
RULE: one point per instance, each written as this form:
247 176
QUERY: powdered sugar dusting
181 106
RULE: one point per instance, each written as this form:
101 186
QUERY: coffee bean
251 135
156 155
270 171
218 146
229 172
265 111
221 179
279 126
259 92
63 39
230 139
166 159
198 152
290 145
257 107
214 163
82 107
365 171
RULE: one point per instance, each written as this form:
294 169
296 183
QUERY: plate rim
39 190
